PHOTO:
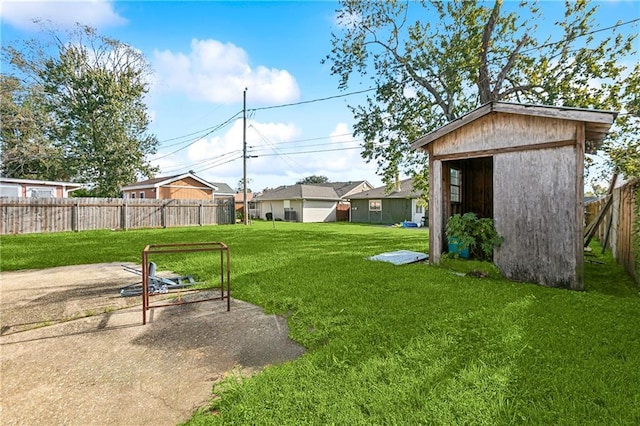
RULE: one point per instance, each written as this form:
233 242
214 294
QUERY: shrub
477 234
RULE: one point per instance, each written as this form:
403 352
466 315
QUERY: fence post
123 215
163 215
75 212
200 213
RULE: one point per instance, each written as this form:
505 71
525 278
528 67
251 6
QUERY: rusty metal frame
225 271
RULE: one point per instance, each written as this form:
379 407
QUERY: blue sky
204 53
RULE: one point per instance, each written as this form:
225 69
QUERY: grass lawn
412 344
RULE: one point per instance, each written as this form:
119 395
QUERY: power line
184 136
262 147
182 166
218 127
313 100
312 139
264 138
219 164
619 24
264 108
310 152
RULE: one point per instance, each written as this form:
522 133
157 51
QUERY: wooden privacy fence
617 230
31 215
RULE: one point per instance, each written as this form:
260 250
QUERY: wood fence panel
33 215
617 226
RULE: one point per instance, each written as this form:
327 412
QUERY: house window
375 205
286 204
41 192
456 185
418 208
9 190
141 194
133 195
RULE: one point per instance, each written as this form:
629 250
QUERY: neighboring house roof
239 197
299 192
161 181
597 122
344 188
223 189
42 182
588 199
406 191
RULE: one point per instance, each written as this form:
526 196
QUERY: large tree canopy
432 61
91 93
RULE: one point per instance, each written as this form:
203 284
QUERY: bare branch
484 81
495 94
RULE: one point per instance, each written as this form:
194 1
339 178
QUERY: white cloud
273 162
347 20
95 13
219 72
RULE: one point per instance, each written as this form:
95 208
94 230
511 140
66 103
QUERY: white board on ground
400 257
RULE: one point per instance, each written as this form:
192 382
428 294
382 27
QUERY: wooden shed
523 166
186 186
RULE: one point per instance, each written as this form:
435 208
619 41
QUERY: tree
313 180
27 153
93 92
468 53
240 185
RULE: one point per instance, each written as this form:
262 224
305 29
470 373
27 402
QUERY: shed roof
597 122
165 180
299 192
406 191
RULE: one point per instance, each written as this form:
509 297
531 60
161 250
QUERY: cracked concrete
110 369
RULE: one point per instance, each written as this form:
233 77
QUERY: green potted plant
470 236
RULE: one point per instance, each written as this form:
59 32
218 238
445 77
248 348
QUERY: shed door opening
467 187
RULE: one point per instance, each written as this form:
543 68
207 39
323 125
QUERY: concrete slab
110 369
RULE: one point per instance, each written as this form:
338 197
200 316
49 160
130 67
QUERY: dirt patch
106 367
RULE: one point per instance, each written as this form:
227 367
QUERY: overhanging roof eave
594 119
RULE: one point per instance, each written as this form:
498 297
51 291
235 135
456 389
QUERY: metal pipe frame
225 271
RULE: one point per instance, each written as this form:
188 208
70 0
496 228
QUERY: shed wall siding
535 211
436 211
186 193
501 130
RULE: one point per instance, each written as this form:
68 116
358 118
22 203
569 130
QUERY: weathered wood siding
619 236
31 215
437 209
535 211
537 193
500 131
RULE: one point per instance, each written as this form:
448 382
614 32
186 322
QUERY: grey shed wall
537 193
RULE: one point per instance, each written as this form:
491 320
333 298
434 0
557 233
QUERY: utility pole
245 216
